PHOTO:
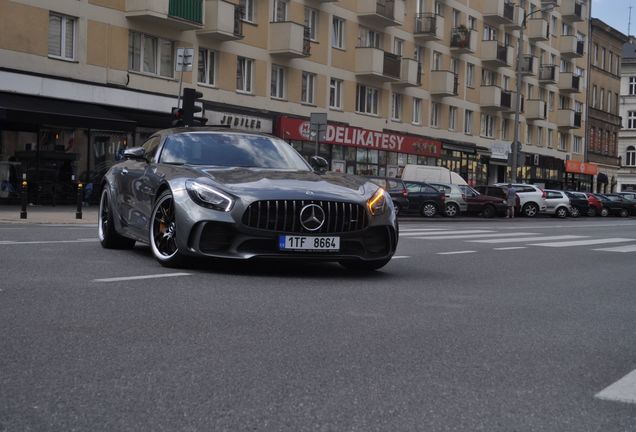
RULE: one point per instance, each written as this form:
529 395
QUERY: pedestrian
511 198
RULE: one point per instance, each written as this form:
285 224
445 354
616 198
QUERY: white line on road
522 239
400 256
411 234
623 390
469 236
628 248
510 248
402 229
11 242
128 278
456 252
584 242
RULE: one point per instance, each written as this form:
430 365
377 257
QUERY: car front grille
284 216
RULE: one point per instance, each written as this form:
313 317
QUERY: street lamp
515 143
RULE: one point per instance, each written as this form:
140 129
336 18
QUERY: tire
624 213
365 265
591 212
575 212
489 211
561 212
396 206
530 210
428 210
107 234
604 212
163 232
451 210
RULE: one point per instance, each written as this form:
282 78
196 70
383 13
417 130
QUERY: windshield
231 150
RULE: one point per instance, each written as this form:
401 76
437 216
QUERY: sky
615 13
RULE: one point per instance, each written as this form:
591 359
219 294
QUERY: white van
431 174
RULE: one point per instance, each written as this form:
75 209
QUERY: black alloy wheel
591 212
605 212
107 234
489 211
163 232
624 213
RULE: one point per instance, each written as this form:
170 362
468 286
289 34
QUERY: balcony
381 13
529 65
572 10
568 119
571 47
494 54
536 109
548 74
177 14
428 27
289 39
410 73
377 64
443 83
497 12
222 21
569 83
538 30
462 41
494 98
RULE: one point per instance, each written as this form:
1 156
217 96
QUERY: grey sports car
219 193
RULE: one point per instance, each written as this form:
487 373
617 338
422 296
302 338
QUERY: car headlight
377 203
207 196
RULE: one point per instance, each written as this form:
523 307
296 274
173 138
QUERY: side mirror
319 164
136 153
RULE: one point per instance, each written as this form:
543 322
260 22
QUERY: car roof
217 129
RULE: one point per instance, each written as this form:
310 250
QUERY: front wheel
624 213
591 212
575 212
561 212
530 210
452 210
107 234
604 212
163 232
428 210
365 265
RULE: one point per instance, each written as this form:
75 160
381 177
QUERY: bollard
80 196
24 192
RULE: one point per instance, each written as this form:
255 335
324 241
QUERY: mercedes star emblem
312 217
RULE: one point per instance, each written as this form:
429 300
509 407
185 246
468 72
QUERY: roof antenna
629 22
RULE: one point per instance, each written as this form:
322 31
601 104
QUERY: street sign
185 58
318 125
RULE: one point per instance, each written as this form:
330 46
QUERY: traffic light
176 117
190 97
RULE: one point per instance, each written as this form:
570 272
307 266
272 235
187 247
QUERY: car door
415 196
551 200
474 200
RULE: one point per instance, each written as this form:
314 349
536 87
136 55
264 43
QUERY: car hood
287 184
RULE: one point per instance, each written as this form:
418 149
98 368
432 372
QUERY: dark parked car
498 192
486 205
613 205
628 203
424 199
580 204
396 188
226 194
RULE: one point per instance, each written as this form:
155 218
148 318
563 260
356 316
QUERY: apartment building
604 121
626 180
415 81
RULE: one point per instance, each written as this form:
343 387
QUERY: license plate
309 243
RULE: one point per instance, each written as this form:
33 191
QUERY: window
470 74
337 40
248 10
490 33
398 46
311 21
452 118
244 74
150 54
551 101
207 67
539 136
563 141
610 107
632 85
529 133
595 54
280 10
468 122
487 126
603 54
576 144
367 99
416 118
278 82
472 23
308 88
456 17
505 127
631 119
437 60
488 77
438 9
550 138
369 38
435 114
630 156
335 93
62 36
396 106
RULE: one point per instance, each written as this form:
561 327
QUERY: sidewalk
48 215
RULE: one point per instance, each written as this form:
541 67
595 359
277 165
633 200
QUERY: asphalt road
458 333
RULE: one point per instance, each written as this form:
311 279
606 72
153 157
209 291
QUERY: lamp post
515 143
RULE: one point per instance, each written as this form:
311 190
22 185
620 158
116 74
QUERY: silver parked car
557 203
455 202
531 198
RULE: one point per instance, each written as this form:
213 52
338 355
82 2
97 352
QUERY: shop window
149 54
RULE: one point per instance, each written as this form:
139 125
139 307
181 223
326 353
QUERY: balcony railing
289 39
506 99
386 8
577 119
391 65
547 73
222 21
443 83
572 10
179 14
189 10
538 29
426 23
461 39
381 13
529 65
509 11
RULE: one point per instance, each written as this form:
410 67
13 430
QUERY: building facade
415 81
627 136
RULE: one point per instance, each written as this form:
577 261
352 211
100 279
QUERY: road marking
584 242
469 236
456 252
86 226
510 248
128 278
400 256
522 239
628 248
411 234
402 229
11 242
623 390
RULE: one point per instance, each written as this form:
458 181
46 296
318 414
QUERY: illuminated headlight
377 203
207 196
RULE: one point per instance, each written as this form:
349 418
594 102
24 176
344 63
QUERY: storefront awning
23 109
602 178
459 146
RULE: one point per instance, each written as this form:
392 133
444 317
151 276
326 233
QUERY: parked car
628 195
531 197
557 203
431 174
499 192
424 199
629 204
595 204
487 206
396 189
580 204
613 205
454 203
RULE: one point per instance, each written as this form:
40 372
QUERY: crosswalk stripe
524 239
623 390
456 252
510 248
411 234
433 236
628 248
584 242
421 229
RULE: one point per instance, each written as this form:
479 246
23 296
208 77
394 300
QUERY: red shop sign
580 167
298 129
